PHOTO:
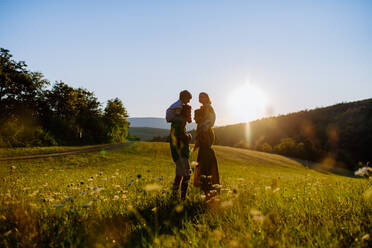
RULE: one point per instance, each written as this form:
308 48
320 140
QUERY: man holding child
179 113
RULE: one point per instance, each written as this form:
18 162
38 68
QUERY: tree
115 118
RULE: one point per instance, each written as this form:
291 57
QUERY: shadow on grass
134 228
161 218
324 168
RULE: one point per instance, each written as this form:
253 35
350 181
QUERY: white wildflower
152 187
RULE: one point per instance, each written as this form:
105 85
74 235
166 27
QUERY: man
179 113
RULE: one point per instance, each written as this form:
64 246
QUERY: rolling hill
340 134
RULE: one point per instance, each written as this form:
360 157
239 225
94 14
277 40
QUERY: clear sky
254 58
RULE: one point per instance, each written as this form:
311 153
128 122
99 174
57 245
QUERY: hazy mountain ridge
154 122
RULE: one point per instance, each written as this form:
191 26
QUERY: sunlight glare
247 103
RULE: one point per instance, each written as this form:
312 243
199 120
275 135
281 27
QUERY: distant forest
339 135
35 114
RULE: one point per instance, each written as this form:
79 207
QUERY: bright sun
247 102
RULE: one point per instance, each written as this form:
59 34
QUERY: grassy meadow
121 198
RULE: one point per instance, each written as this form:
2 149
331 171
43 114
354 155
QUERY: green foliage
98 200
33 115
115 118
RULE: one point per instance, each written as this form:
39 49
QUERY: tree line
340 135
35 113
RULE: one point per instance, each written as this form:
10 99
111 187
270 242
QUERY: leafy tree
115 118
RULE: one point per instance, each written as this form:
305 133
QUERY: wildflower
34 193
194 163
217 186
86 205
7 233
364 171
234 243
257 216
116 197
203 197
366 237
178 208
217 234
152 187
226 204
268 187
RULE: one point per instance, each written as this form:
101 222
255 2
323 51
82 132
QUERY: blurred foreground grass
121 198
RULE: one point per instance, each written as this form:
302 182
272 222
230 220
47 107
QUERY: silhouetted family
206 171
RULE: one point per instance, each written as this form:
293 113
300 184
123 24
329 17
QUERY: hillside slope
342 132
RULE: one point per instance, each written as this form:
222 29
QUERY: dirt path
91 149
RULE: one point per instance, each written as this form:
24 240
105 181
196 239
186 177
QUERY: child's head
186 112
198 115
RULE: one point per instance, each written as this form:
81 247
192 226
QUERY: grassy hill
147 133
340 134
121 198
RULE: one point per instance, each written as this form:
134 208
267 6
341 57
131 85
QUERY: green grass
23 151
98 200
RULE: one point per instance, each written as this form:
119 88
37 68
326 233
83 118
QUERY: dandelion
152 187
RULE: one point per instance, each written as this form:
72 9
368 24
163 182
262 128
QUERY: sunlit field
122 198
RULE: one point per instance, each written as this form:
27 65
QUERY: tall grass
122 198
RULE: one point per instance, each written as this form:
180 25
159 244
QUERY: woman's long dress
207 160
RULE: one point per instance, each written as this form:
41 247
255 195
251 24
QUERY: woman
208 175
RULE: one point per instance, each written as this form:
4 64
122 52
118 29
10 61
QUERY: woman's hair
203 94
